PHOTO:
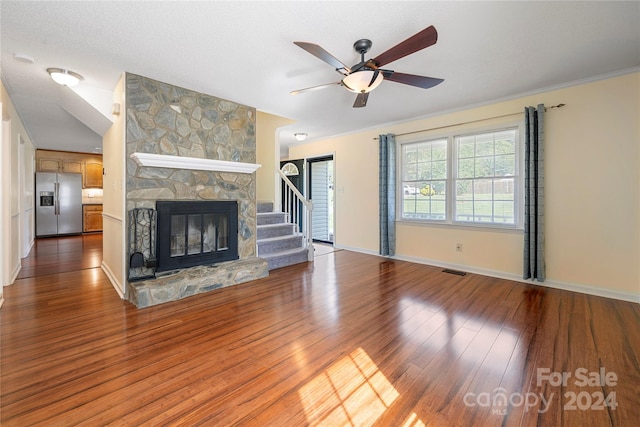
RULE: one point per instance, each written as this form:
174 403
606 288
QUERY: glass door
322 195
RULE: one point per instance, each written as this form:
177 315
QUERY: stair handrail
296 217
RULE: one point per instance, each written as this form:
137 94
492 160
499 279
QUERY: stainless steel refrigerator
58 203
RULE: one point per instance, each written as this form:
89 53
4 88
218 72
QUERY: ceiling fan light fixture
360 81
300 136
64 77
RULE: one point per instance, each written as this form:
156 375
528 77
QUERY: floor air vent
456 272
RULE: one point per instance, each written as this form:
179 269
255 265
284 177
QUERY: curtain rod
473 121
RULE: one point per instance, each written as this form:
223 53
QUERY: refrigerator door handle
57 198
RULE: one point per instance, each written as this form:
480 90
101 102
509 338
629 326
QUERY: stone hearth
172 286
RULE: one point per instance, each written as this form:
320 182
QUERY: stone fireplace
186 148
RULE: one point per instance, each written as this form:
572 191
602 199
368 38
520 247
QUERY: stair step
278 244
286 258
266 218
274 230
265 207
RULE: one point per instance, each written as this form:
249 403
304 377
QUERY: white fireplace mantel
192 163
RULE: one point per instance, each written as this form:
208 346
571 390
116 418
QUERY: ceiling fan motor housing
362 46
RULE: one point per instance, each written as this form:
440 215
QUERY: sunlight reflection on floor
413 421
352 391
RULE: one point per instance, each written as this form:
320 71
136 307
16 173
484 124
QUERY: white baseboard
353 249
27 250
583 289
573 287
14 274
112 278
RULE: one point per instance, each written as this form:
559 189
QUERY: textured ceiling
244 52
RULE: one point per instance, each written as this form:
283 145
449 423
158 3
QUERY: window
424 180
462 179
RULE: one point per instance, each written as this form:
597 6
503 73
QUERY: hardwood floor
350 339
59 254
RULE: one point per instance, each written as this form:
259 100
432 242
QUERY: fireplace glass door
199 234
196 233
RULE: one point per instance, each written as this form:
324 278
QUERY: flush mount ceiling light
300 136
64 77
23 57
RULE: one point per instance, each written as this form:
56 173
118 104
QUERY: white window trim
449 221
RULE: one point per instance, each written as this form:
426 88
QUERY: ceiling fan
365 76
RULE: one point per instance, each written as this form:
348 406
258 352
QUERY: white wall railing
299 211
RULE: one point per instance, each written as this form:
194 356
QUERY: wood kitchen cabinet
93 174
71 166
48 165
91 218
89 165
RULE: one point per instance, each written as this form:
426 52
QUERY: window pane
484 145
504 212
410 154
439 151
424 154
464 210
466 148
466 168
424 181
484 166
424 170
439 170
505 165
410 172
506 145
485 190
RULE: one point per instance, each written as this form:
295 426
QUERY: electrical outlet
458 247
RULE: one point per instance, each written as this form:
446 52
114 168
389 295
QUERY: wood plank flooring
350 339
60 254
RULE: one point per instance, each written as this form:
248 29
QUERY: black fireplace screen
142 243
196 233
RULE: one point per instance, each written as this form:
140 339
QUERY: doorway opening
321 193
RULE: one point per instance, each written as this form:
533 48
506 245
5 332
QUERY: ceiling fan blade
361 100
425 38
411 79
309 89
322 54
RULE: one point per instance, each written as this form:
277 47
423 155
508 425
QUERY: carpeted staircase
278 242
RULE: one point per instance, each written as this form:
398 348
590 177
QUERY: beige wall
592 191
113 262
268 154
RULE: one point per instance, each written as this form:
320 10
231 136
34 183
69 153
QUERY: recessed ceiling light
23 57
64 77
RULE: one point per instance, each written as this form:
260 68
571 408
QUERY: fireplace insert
194 233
